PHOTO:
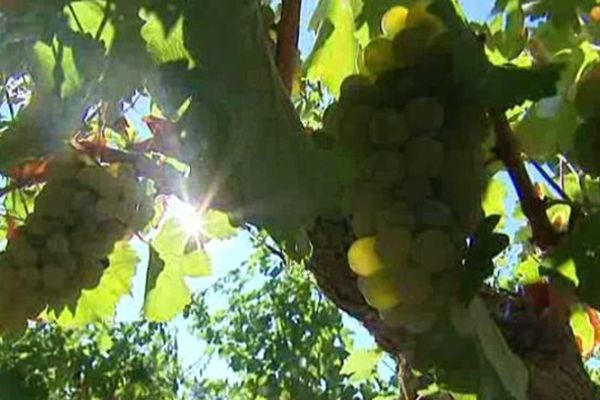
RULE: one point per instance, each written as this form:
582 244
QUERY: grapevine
63 247
421 154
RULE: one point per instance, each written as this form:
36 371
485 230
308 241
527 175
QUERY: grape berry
419 195
63 247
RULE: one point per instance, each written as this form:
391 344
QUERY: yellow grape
394 20
414 285
415 319
434 251
419 17
379 56
380 290
393 245
363 258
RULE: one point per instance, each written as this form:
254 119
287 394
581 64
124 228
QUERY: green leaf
361 365
100 303
578 258
90 14
248 124
510 369
336 49
528 271
166 290
215 225
547 128
494 199
583 329
478 266
164 46
507 86
14 387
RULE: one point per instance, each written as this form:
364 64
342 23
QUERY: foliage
220 132
128 361
280 337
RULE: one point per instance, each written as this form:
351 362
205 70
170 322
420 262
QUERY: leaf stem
104 21
11 109
533 207
288 32
76 18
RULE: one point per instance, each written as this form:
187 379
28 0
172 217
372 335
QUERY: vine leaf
485 245
336 49
361 364
494 199
100 303
581 252
14 387
510 369
166 292
215 225
90 14
583 330
548 127
164 45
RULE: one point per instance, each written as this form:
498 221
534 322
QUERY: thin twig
76 18
287 41
555 186
506 147
11 109
561 171
104 21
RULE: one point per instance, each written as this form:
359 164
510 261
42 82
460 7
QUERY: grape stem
533 207
288 32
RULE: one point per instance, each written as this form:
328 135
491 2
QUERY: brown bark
288 33
543 341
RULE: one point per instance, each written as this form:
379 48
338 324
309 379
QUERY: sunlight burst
187 215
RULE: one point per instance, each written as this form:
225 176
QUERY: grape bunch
63 247
422 170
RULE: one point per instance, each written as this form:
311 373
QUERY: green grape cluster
63 247
419 194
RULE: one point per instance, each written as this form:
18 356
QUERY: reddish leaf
595 321
13 230
166 136
579 344
32 171
121 125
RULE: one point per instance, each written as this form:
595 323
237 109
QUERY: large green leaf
100 303
245 125
494 199
162 44
90 15
583 329
362 364
510 369
166 290
548 128
580 253
215 225
336 50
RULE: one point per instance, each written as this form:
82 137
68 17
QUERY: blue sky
231 253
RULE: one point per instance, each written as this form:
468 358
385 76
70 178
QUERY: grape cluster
63 247
423 172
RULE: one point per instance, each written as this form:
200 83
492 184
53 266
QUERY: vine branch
288 32
533 207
